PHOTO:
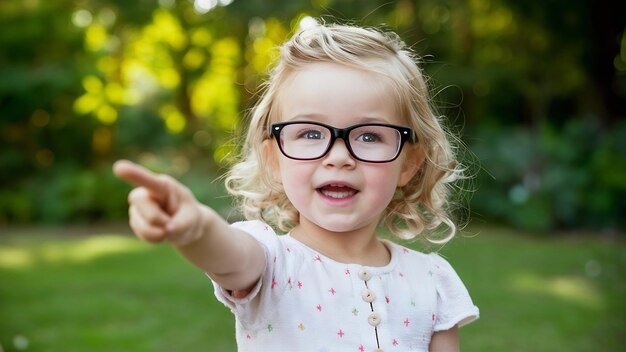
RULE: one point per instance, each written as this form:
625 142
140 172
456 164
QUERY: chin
339 226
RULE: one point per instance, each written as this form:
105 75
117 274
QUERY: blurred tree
168 82
608 57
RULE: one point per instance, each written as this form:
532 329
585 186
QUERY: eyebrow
325 119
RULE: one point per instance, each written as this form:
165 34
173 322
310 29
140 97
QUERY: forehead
338 95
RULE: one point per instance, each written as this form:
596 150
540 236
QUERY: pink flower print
266 228
319 307
299 284
434 316
274 259
248 336
395 342
288 249
274 282
406 322
348 272
406 251
332 291
289 283
317 258
361 348
401 275
340 333
387 299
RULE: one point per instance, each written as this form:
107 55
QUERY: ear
413 160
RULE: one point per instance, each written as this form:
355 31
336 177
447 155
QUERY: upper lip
337 184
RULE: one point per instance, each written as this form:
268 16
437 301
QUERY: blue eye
311 134
369 137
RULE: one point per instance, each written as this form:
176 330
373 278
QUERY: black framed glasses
368 142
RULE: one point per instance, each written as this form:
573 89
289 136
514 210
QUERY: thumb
184 226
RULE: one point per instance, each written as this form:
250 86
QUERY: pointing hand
160 208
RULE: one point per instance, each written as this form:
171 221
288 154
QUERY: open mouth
337 191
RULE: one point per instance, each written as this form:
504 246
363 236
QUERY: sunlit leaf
174 120
107 64
201 37
92 84
107 114
87 103
169 78
115 93
95 37
169 29
194 58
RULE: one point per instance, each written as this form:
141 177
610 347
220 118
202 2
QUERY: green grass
108 292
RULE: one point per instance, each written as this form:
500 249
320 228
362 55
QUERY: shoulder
253 226
257 229
446 278
405 253
430 263
414 264
262 232
432 260
455 303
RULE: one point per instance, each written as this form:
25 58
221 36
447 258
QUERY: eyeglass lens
366 142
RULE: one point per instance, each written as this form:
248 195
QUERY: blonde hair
418 208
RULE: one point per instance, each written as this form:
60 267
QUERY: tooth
338 195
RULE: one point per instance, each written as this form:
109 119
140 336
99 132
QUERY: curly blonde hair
420 208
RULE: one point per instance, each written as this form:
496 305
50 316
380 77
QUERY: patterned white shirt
308 302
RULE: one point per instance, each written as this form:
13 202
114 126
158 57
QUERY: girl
343 140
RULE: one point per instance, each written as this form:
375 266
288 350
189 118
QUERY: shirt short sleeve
454 304
247 308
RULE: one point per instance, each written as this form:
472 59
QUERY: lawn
104 290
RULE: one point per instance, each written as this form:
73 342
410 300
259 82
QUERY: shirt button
364 274
374 319
368 295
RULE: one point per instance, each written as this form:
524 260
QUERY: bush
67 193
64 193
573 176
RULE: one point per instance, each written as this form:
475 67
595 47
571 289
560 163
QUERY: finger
143 229
140 176
149 209
180 223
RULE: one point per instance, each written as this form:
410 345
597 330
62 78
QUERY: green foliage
85 83
553 178
65 193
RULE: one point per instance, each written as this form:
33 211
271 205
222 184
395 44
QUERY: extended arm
162 209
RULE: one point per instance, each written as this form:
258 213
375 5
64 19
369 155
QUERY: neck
359 246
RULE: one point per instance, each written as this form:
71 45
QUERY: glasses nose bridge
341 133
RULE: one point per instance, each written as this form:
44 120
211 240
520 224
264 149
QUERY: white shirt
308 302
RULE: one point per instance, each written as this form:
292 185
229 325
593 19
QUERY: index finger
139 176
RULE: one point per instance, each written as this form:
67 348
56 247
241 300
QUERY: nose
339 155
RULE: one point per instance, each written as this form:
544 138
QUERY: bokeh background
536 91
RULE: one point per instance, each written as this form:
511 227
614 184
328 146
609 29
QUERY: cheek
295 180
384 181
